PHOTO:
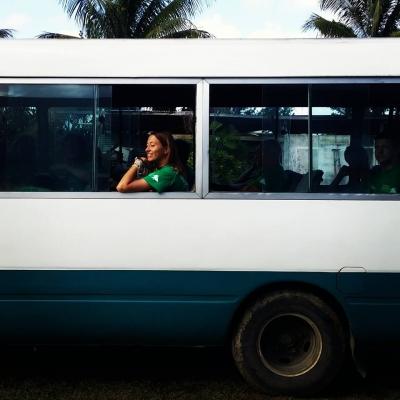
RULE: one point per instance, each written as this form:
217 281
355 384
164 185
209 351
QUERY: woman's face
155 151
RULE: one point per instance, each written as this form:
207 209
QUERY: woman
166 169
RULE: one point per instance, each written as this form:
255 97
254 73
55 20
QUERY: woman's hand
140 162
132 181
143 166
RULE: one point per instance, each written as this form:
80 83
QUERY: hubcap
290 344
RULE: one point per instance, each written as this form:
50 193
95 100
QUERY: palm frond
134 12
97 22
392 24
52 35
136 18
357 15
183 9
335 5
170 17
330 29
79 8
348 12
190 34
387 7
6 33
367 18
145 17
95 29
167 28
178 29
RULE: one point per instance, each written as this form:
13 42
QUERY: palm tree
357 18
134 18
6 33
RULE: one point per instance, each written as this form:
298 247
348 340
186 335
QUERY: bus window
46 136
126 114
65 138
258 138
352 124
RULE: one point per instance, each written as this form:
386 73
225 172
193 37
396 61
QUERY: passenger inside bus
167 173
385 177
357 171
266 173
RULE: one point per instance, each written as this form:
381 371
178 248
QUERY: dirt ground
159 374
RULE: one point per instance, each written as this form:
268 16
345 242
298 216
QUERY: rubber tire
250 364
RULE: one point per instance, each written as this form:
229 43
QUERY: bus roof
200 58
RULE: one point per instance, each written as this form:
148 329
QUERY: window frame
290 195
201 137
199 103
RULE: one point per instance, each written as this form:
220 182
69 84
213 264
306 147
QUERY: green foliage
133 18
17 120
357 18
228 155
269 112
190 161
341 111
331 29
52 35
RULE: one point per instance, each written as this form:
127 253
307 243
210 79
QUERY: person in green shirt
385 177
167 171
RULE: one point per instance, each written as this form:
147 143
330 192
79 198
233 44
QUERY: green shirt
385 181
167 179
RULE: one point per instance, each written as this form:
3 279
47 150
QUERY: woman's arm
130 183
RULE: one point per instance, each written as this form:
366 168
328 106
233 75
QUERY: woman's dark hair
167 141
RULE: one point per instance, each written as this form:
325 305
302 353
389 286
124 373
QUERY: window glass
258 138
355 137
66 138
46 137
127 113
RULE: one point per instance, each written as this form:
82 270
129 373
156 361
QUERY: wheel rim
289 344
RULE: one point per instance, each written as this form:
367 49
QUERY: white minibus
285 245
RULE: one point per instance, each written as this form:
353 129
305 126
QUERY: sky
222 18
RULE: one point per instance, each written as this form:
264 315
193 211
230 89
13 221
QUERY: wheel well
299 286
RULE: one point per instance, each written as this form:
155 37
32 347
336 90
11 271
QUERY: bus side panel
180 234
235 238
136 307
373 306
